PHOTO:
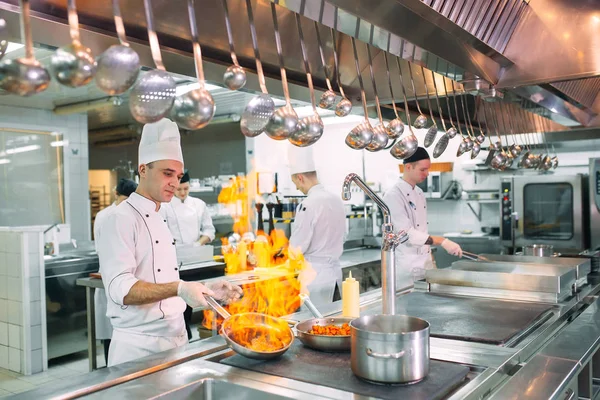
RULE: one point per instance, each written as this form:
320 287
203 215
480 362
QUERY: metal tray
583 265
506 276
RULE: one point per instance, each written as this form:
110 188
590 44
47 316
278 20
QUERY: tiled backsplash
22 320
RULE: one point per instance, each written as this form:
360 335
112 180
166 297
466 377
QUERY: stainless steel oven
436 184
545 209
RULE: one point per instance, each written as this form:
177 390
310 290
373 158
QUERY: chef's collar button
157 241
164 220
147 215
173 243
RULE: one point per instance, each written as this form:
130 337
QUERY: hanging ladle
284 120
73 65
260 109
24 76
476 143
409 144
152 97
327 99
451 133
361 136
119 66
433 129
310 128
421 120
344 107
234 76
380 136
444 137
395 127
194 109
466 143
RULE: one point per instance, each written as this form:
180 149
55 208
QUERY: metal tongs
474 257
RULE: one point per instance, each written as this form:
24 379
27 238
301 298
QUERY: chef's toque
160 141
300 159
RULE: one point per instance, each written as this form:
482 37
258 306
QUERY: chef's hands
226 292
452 248
193 293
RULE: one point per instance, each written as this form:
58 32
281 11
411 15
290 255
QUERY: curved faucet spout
346 195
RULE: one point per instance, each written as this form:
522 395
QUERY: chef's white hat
300 159
160 141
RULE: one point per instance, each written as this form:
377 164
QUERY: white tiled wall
22 322
74 130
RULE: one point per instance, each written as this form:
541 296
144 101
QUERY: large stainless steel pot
539 250
390 348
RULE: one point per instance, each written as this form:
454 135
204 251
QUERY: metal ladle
284 120
361 136
421 120
471 134
24 76
344 107
119 66
409 144
234 76
476 142
327 99
444 137
152 97
395 127
73 65
463 147
451 133
310 128
380 136
260 109
433 129
194 109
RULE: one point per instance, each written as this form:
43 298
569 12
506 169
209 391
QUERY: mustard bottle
350 297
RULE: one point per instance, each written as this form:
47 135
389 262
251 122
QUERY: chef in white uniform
318 230
103 327
187 217
138 262
190 224
409 213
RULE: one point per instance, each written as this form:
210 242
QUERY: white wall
74 130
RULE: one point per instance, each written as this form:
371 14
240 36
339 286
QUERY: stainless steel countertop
548 358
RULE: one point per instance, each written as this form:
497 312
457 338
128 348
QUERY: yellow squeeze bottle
350 298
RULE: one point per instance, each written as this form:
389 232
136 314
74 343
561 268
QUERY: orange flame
277 293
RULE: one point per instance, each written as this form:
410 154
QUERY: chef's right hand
452 248
193 293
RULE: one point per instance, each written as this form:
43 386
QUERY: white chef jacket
318 231
188 220
136 244
103 327
100 218
408 207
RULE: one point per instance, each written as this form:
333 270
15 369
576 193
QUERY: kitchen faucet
390 241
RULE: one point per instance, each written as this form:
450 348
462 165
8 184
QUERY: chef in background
188 217
190 223
138 263
409 213
319 229
103 328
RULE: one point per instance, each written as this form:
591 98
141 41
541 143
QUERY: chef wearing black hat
409 213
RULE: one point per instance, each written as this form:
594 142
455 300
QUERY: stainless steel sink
217 389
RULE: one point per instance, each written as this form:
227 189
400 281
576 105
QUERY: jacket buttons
164 220
147 215
173 243
176 269
158 270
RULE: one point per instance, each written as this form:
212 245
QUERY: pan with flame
254 335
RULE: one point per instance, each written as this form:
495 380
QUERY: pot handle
371 353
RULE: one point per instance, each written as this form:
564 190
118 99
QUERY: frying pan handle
371 353
217 307
309 304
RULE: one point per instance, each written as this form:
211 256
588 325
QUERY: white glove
226 292
452 248
193 293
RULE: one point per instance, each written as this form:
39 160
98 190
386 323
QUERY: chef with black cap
409 213
187 217
103 327
138 262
